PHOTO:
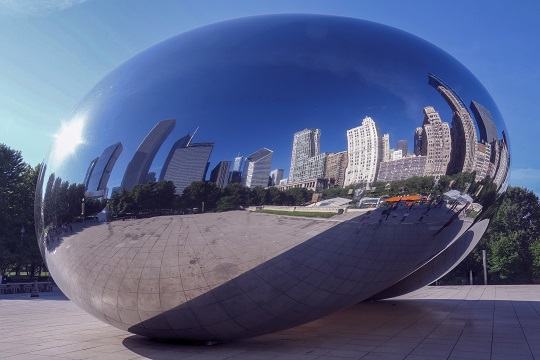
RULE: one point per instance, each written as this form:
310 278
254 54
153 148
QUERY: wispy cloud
526 177
35 7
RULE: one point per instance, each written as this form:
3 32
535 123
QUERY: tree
298 196
200 191
18 243
239 192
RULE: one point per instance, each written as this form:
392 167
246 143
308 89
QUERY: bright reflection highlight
68 138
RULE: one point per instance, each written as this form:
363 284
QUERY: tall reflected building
336 165
275 177
238 162
364 153
463 132
220 174
418 141
187 162
306 162
436 143
486 126
483 163
100 170
257 168
386 147
502 169
137 169
89 172
403 145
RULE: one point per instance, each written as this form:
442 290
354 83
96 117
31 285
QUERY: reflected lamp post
82 211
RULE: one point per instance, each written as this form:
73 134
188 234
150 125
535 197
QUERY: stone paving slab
445 322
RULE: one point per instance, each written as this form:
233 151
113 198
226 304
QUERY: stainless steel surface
285 92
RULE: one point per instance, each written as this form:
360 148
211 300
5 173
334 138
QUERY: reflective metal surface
321 101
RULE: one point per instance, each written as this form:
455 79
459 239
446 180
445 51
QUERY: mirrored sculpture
152 207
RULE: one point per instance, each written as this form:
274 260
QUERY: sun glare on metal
68 138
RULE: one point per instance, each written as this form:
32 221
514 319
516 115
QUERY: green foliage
227 203
336 192
18 243
201 192
150 198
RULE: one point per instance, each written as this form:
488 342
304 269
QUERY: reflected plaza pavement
444 322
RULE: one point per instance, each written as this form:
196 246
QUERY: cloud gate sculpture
145 206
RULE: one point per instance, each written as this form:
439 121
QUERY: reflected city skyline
439 149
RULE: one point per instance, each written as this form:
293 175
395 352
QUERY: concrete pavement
445 322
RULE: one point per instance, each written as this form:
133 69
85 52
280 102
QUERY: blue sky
53 52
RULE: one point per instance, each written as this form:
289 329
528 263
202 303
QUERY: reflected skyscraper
436 143
403 145
486 126
238 162
306 162
386 147
137 169
89 171
364 153
101 168
257 168
336 165
418 141
275 177
502 163
220 174
463 132
187 162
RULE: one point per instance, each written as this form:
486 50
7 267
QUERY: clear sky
52 52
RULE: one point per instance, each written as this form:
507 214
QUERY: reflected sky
254 82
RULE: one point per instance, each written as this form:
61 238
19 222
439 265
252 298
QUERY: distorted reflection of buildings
257 168
151 177
435 143
401 169
403 146
220 174
306 160
275 177
99 171
439 149
336 165
137 169
386 147
464 139
364 153
187 162
238 163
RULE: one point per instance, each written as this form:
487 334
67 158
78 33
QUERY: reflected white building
436 143
364 153
257 168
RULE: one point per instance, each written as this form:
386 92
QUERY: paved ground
465 322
